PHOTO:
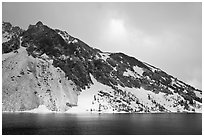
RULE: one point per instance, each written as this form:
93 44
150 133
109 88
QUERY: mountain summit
48 68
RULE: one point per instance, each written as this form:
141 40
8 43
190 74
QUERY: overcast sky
166 35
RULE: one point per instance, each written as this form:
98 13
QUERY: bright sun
117 28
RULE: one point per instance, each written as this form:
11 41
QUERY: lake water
101 124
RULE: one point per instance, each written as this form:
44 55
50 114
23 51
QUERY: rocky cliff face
50 67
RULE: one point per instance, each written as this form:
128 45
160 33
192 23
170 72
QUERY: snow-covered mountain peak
107 82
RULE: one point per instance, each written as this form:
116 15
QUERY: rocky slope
29 82
44 66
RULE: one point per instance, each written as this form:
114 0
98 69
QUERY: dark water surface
101 124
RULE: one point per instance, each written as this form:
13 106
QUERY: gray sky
166 35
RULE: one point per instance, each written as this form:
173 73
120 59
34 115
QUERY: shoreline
55 112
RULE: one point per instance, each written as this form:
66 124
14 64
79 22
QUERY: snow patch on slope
29 82
101 96
7 55
104 56
147 98
40 109
198 94
138 70
129 73
75 41
64 35
6 37
11 54
86 97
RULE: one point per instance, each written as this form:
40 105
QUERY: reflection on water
101 124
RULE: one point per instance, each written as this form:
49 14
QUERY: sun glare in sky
117 28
